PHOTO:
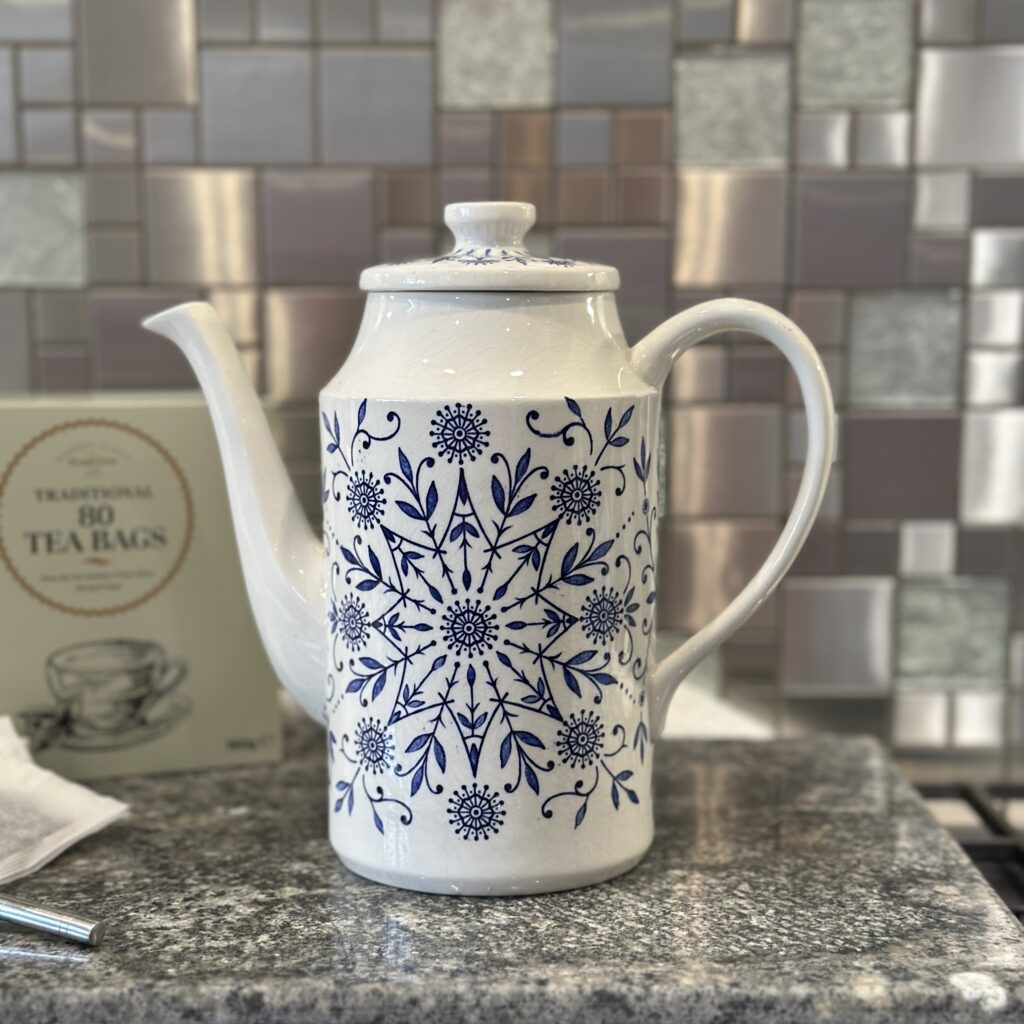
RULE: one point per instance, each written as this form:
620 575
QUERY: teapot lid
490 256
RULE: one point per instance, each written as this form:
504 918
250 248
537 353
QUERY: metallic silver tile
704 21
63 368
582 137
764 21
702 440
1002 21
42 229
953 86
953 633
168 137
114 256
927 548
992 484
610 54
947 21
854 53
8 134
820 314
48 136
702 375
730 228
993 378
15 371
59 316
478 70
997 257
823 139
132 52
942 199
257 106
361 90
239 308
45 75
302 211
978 719
732 109
201 226
108 136
837 635
920 720
284 21
996 317
405 21
345 21
883 139
225 21
36 21
308 334
905 349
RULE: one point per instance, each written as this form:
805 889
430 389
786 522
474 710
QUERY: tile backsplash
856 163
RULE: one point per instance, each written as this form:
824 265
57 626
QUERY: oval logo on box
95 517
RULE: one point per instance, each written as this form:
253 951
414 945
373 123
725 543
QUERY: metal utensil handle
55 922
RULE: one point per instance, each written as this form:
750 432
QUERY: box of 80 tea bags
127 640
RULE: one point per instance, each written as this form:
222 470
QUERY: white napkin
41 814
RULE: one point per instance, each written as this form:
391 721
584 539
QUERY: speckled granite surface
797 881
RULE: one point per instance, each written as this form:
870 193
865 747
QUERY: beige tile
407 198
528 187
645 195
642 137
583 197
525 139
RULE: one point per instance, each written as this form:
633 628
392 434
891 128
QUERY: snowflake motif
576 494
469 628
581 740
365 499
602 615
476 812
349 620
459 433
375 749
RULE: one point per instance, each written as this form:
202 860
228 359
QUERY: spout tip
158 323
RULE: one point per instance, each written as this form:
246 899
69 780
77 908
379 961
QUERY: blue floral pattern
489 255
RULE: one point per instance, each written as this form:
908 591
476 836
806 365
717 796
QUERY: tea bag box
128 644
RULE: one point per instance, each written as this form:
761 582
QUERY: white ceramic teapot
476 627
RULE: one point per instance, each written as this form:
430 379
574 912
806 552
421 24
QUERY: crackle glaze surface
797 881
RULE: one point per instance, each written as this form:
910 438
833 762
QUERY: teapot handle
652 359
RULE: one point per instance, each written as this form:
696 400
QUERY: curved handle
171 675
652 358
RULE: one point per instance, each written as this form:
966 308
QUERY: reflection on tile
996 317
823 140
998 199
114 256
48 136
361 90
764 21
42 228
870 549
613 54
8 135
108 136
405 21
993 378
953 85
525 139
45 75
920 720
927 548
997 257
256 106
978 719
938 260
58 316
942 199
318 226
584 196
38 21
992 485
704 21
947 21
477 66
284 21
138 53
15 373
821 315
466 138
201 226
309 332
905 349
952 633
239 309
345 21
851 232
837 635
168 137
901 467
702 441
854 53
582 137
642 137
730 228
645 195
732 110
63 368
700 375
225 21
883 140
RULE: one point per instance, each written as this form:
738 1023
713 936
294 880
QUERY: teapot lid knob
500 225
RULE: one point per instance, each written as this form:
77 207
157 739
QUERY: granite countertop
789 881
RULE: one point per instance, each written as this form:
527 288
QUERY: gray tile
124 354
479 70
470 185
705 21
35 22
360 91
284 21
820 554
823 139
42 229
405 21
703 440
1002 21
996 317
730 228
201 226
112 197
108 136
856 715
938 260
837 635
239 309
15 369
953 85
952 633
901 467
998 200
821 315
992 485
942 199
225 21
63 368
582 137
764 21
870 549
168 137
978 720
947 21
851 232
927 548
45 75
467 139
854 53
986 552
59 316
257 106
905 349
8 134
132 52
614 55
702 375
993 379
920 721
758 374
732 109
883 139
309 332
394 245
318 226
114 256
48 136
997 257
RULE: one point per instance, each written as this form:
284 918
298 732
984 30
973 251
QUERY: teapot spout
281 557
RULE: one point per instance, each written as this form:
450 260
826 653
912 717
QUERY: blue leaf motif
498 493
574 406
418 744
